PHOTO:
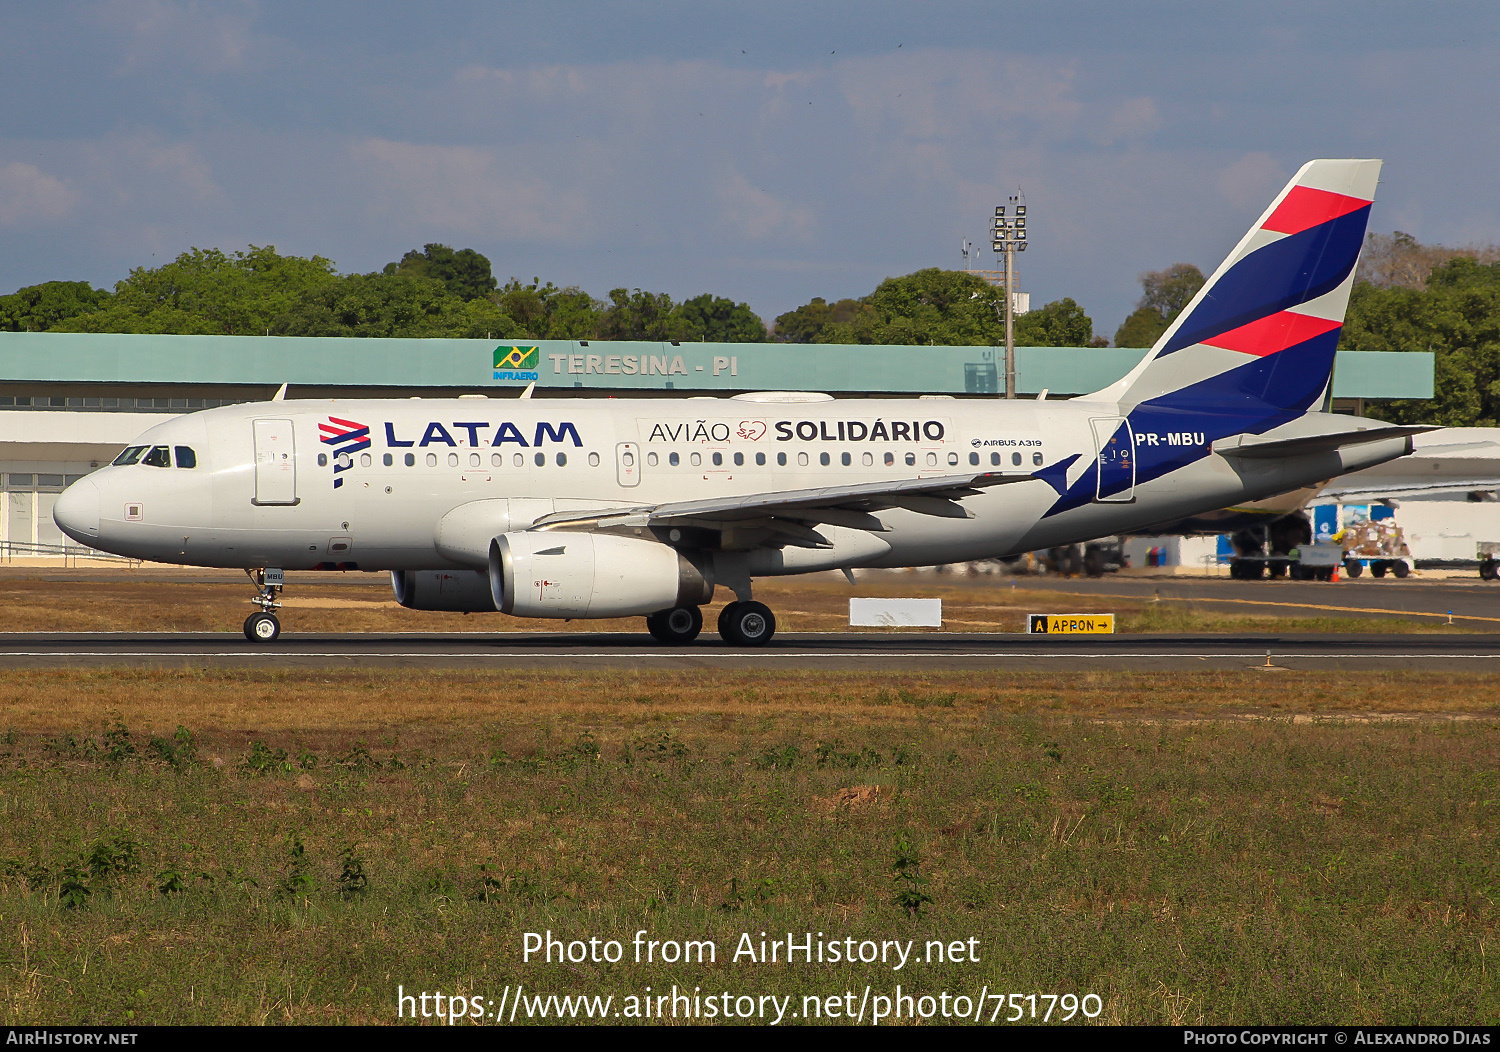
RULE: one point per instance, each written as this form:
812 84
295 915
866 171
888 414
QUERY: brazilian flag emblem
517 357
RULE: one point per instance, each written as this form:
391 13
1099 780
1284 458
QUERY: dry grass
117 601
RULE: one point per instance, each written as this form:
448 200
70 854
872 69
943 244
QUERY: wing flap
1254 447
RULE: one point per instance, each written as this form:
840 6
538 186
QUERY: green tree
465 273
1061 323
37 308
806 323
207 291
546 312
719 320
1164 294
388 305
1456 315
637 315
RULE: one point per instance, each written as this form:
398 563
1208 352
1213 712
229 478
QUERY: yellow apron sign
1065 624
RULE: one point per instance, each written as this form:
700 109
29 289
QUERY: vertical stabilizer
1257 342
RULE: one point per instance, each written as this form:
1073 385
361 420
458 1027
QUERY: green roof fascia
597 364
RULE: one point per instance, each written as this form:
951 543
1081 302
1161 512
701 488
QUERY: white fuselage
367 483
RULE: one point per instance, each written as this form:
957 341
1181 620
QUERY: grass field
209 847
147 601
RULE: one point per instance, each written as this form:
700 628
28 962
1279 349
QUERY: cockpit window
130 456
158 457
186 458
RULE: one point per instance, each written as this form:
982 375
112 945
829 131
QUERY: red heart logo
753 430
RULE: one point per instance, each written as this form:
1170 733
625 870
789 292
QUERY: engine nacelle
466 591
557 574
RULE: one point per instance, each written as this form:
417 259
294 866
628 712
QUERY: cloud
466 188
758 215
159 33
28 194
1252 180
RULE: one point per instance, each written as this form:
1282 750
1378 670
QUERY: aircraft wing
789 517
1364 494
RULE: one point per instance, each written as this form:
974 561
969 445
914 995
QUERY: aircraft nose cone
77 511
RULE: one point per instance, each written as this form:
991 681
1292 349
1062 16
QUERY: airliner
592 508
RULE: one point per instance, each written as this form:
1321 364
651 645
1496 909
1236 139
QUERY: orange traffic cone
1335 577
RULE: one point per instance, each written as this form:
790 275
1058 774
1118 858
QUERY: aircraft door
275 463
1115 460
628 463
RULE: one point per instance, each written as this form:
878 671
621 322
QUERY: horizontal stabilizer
1255 447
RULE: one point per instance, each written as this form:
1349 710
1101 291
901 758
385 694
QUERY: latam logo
517 363
345 438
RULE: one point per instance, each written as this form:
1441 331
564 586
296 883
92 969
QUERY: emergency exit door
1115 460
275 463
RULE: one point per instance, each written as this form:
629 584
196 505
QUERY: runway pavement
1456 652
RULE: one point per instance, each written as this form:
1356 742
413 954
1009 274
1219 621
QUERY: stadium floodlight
1008 235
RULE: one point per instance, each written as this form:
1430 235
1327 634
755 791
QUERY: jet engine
558 574
466 591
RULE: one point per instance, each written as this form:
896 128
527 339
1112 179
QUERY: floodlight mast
1008 236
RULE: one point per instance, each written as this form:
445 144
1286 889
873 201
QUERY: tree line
1407 297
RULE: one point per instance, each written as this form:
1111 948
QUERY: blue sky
769 152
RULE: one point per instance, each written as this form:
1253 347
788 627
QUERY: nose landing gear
263 626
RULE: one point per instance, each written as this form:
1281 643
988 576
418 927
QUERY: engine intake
557 574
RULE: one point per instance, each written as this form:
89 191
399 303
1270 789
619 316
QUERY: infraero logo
517 363
345 438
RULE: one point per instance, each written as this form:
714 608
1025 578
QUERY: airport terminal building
70 402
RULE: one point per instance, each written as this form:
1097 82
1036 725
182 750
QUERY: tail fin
1258 340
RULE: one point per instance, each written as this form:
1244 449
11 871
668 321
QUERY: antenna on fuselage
280 395
529 388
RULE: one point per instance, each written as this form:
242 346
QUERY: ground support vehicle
1381 546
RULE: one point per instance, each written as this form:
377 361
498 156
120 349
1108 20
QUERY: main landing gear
262 626
747 624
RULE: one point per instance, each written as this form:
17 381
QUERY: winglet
280 395
529 388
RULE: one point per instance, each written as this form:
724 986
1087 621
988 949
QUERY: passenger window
651 460
697 459
867 460
129 456
364 460
672 459
432 460
932 460
411 460
974 459
823 459
1036 458
158 457
890 458
844 460
1015 458
562 460
594 460
519 460
473 460
911 460
541 460
781 460
952 459
760 460
453 460
718 460
186 458
995 459
387 460
739 459
802 460
322 460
